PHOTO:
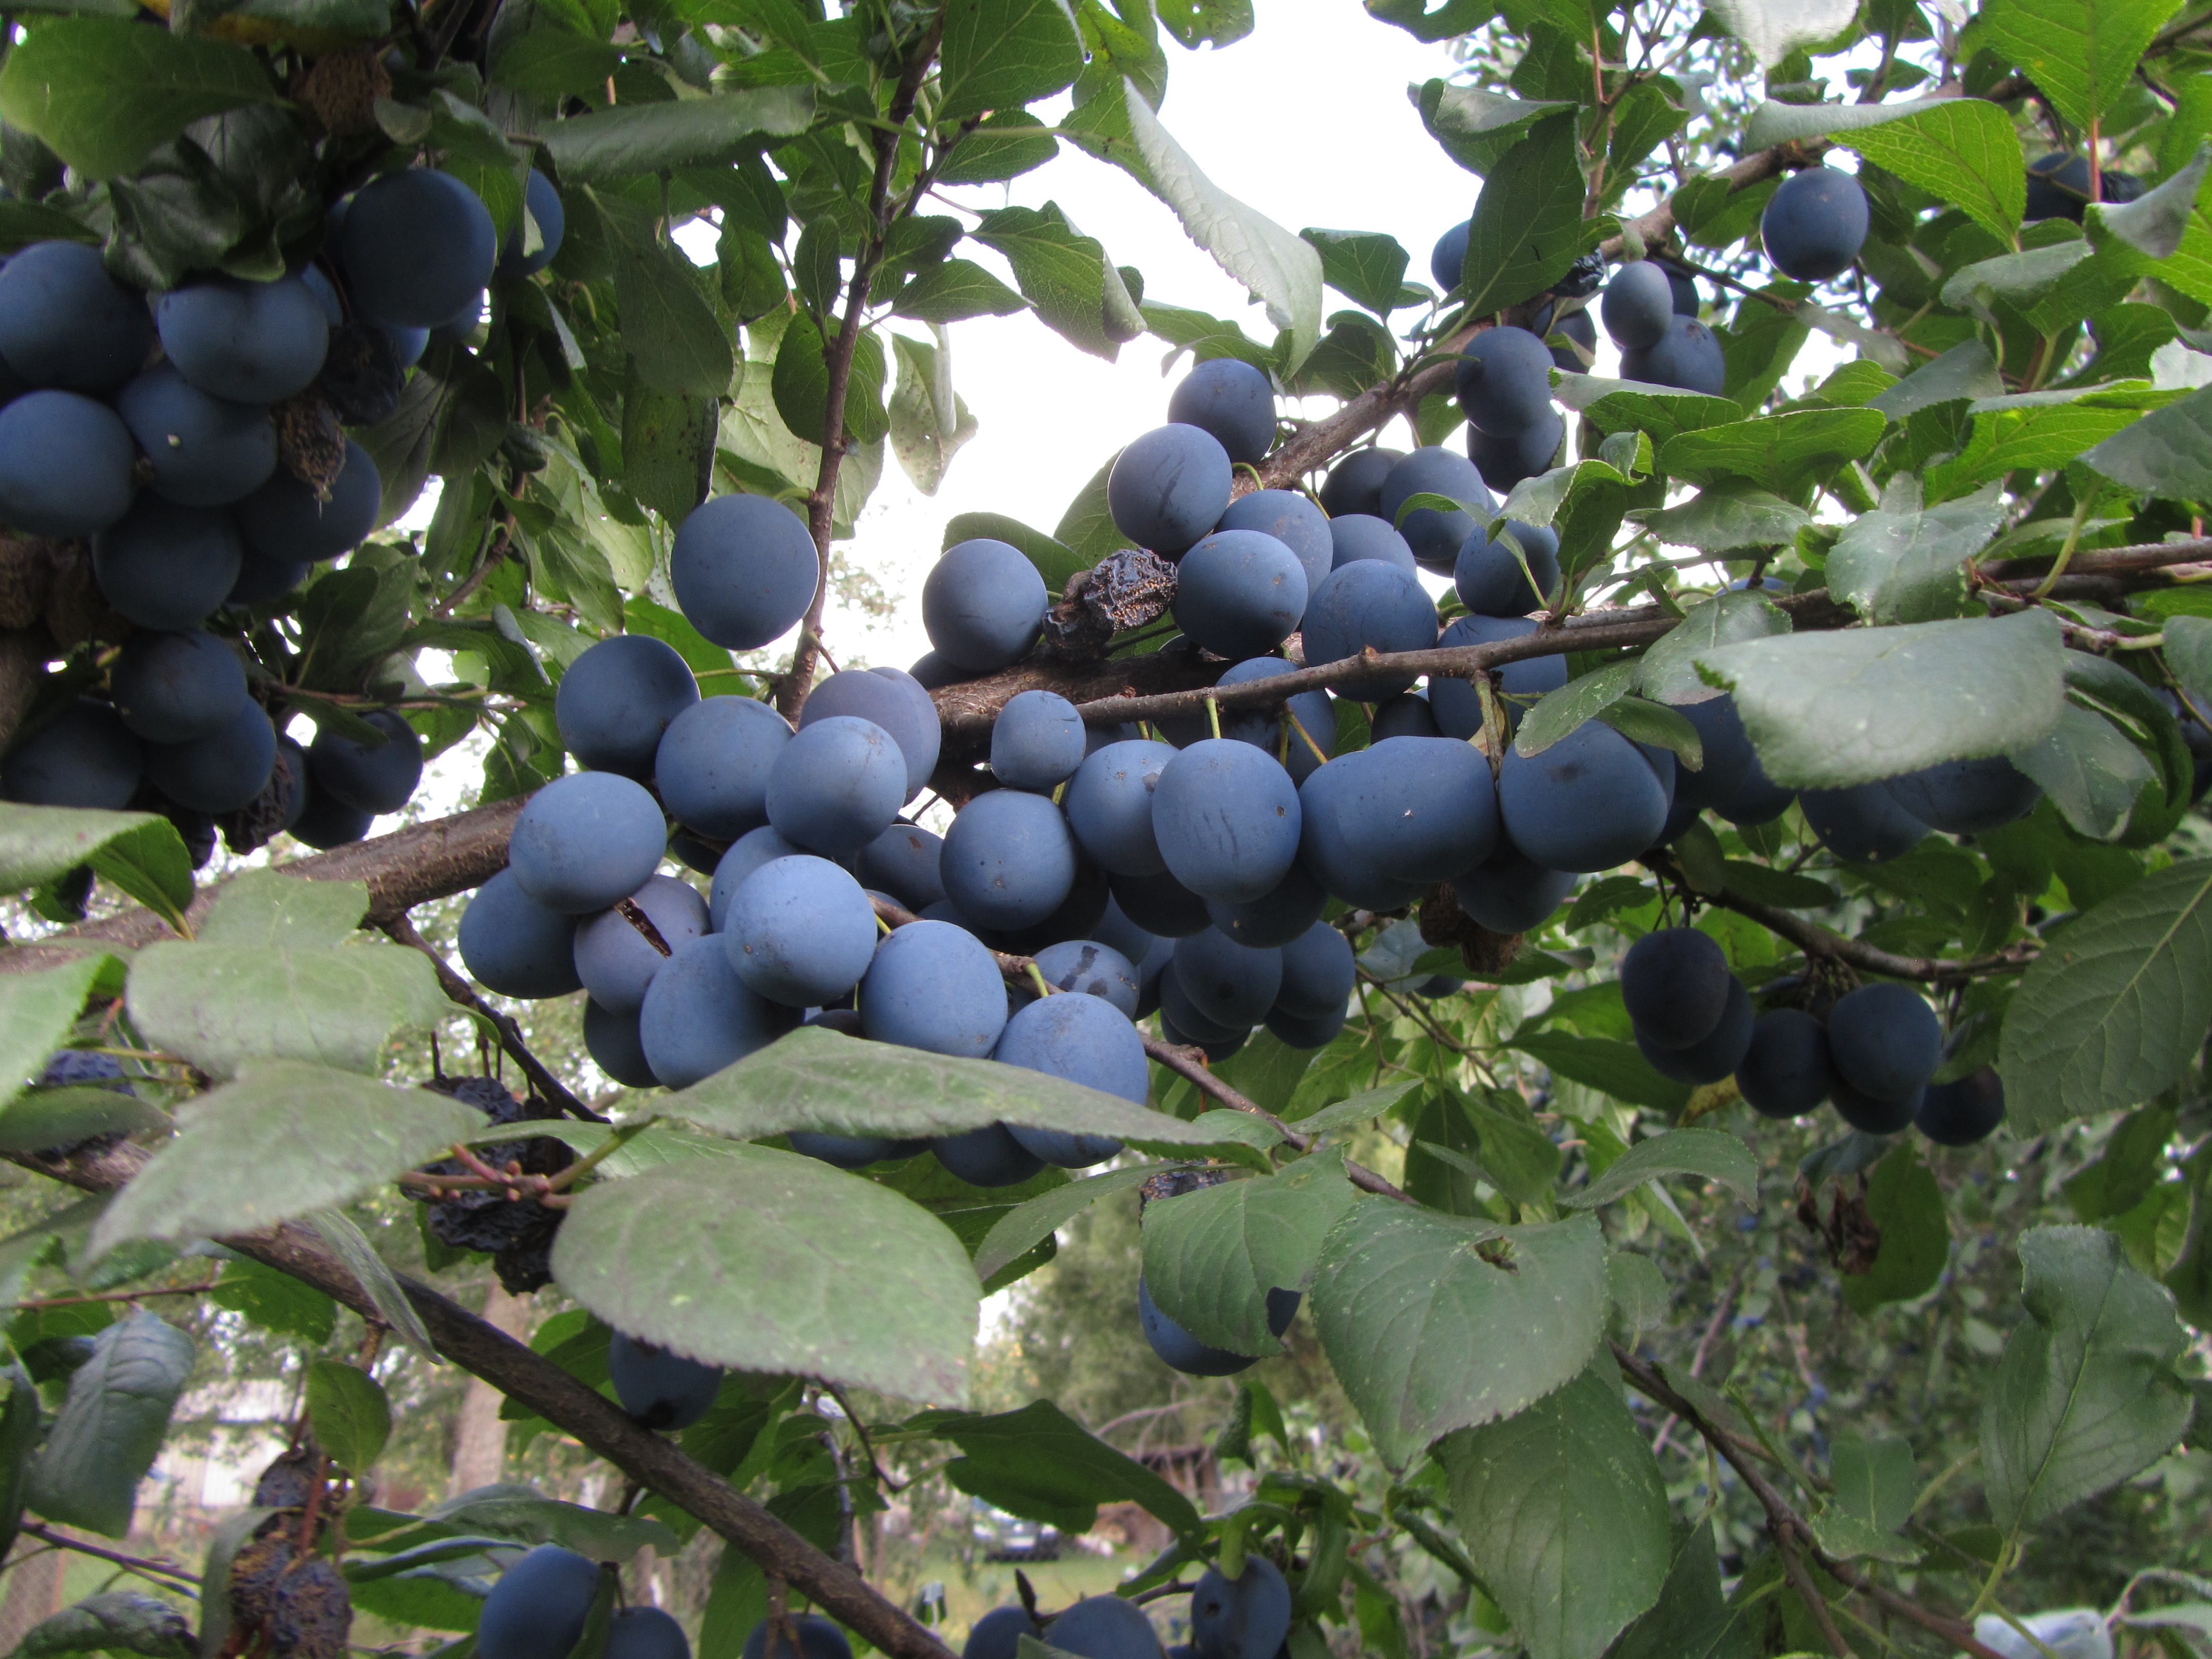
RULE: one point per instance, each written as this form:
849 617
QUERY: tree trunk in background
34 1592
479 1436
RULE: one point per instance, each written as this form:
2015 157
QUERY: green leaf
2167 454
65 84
112 1425
1211 1256
1779 888
1639 1289
668 328
1559 713
1829 709
1656 725
774 1263
1708 1154
1054 561
1966 371
1908 565
1010 143
226 1006
1781 453
1731 515
1692 1618
2188 654
1361 1107
1434 1324
1564 1514
351 1418
552 64
1632 406
1365 267
115 1621
1038 1464
2092 772
2082 54
285 1139
1875 1478
929 421
815 1080
1529 226
1519 1158
526 1514
955 290
1616 1069
1029 1224
2116 1006
1907 1206
276 1301
38 844
58 1117
648 137
1963 149
1280 270
1077 293
1087 528
1670 667
1000 54
269 910
2085 1394
667 448
36 1013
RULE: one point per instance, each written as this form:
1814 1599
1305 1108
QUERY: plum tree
1246 1617
1368 603
202 451
836 785
1291 516
1814 225
893 700
369 777
1434 534
516 947
221 770
1239 593
743 568
417 245
84 755
251 343
616 962
1492 579
698 1016
1354 484
660 1390
1363 536
617 699
1231 401
1886 1040
983 604
1590 801
1675 982
1009 859
1088 968
1169 487
65 323
538 1605
1638 304
904 861
1037 741
1862 823
713 761
587 841
1226 816
989 1156
1967 797
800 931
286 520
1504 380
934 986
171 688
65 464
1109 806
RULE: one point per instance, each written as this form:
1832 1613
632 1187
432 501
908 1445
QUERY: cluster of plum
1872 1052
197 439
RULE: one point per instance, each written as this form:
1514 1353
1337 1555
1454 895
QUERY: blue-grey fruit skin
983 604
1037 742
1085 1040
989 1156
1489 578
934 986
1886 1039
1109 806
1510 892
1448 258
1180 1351
1578 327
1434 535
253 342
1240 593
1456 702
284 521
1688 358
1968 796
1588 803
1313 711
836 786
1728 754
699 1016
84 756
1169 488
1363 536
323 824
660 1390
616 1048
1787 1071
368 777
64 322
712 764
1178 1009
1355 483
850 1152
1105 1627
998 1633
65 464
1159 904
514 945
904 861
1876 1114
1318 971
1637 303
1009 859
618 699
1294 1032
893 700
1505 462
1247 1616
616 962
1231 400
1227 819
167 566
221 771
744 569
1277 917
584 840
646 1633
1862 823
745 854
1406 715
1813 227
1418 809
416 245
800 931
818 1639
1962 1113
1087 968
204 450
1675 981
538 1606
545 204
1231 984
1291 516
1714 1057
1370 604
1505 380
171 688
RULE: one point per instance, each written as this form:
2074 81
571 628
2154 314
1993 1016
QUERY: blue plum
617 1048
700 1017
1577 328
1231 401
983 604
1277 917
204 450
989 1156
324 823
818 1639
1590 801
1405 812
1370 605
1505 462
615 960
836 786
1876 1114
171 688
1962 1113
1448 259
1169 488
1456 702
1319 972
998 1633
1291 516
368 777
1862 824
1009 859
1675 981
1180 1351
660 1390
1491 576
167 566
743 568
1687 357
221 771
1226 816
645 1632
1728 757
800 931
1637 304
586 840
617 699
1105 1627
84 755
1510 892
417 246
904 861
1813 227
251 343
713 761
893 700
1786 1072
1434 535
1159 904
1087 968
1406 715
1967 797
538 1606
1886 1040
1240 593
1232 985
1354 484
285 521
1504 382
65 323
65 464
934 986
745 854
544 202
1037 741
1085 1040
1715 1056
1109 806
1246 1617
1363 536
1293 1032
516 947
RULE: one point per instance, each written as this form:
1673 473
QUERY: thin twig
140 1565
110 1296
1706 1343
